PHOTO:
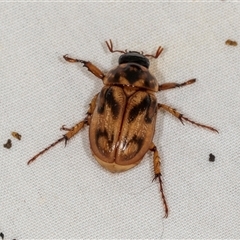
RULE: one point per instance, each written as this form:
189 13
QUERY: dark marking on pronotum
132 73
116 74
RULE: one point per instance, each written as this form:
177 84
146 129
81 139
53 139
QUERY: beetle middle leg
171 85
91 68
157 172
71 131
180 116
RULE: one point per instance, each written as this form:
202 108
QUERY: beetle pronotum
122 116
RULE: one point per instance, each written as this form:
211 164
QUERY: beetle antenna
157 54
46 149
110 47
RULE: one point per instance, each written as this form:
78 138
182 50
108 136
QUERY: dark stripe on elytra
144 105
101 101
106 97
103 134
112 103
151 111
137 141
116 76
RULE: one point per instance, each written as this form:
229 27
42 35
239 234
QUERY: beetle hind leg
157 172
180 116
71 131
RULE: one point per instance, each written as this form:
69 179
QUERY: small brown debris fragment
2 235
17 135
8 144
231 43
211 157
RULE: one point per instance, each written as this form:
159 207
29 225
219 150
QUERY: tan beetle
122 115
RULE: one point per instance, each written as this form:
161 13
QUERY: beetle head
134 57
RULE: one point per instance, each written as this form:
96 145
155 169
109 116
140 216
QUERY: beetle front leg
167 86
157 172
91 68
180 116
71 131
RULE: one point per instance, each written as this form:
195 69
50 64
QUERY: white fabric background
65 193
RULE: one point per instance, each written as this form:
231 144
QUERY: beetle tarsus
157 171
180 116
162 193
45 150
198 124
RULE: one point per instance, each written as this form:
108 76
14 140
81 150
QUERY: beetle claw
66 141
63 128
156 176
180 118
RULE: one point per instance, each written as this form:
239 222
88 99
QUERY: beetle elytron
122 116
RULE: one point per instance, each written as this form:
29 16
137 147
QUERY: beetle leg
45 150
167 86
180 116
63 128
157 171
91 68
71 131
157 54
110 47
74 130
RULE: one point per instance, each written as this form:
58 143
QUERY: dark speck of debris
16 135
231 43
2 235
8 144
211 157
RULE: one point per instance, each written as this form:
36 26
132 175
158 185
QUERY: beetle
122 116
